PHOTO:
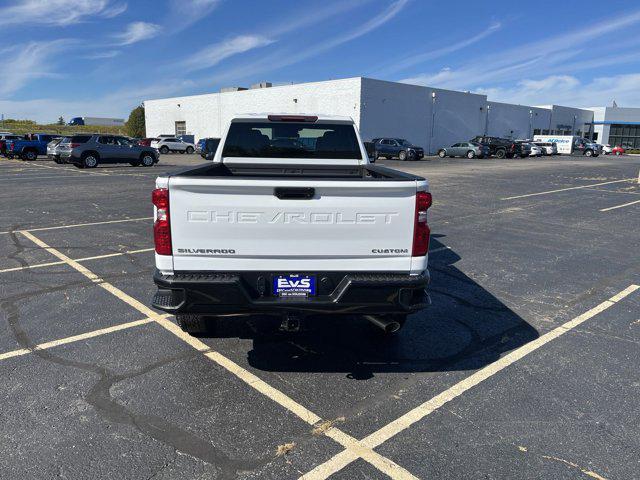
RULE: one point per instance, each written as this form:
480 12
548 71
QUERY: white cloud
57 12
214 54
550 56
568 90
285 57
103 55
136 32
116 104
184 13
417 59
29 62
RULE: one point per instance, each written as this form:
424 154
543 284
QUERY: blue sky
103 57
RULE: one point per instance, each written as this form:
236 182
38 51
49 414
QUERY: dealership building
429 117
617 126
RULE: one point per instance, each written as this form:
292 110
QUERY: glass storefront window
627 136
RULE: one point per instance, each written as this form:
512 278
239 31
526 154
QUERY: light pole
573 127
530 123
433 119
486 122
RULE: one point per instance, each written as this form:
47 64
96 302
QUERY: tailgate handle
294 193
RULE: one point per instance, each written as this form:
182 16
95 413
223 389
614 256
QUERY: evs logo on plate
294 285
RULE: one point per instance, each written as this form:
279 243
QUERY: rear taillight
421 230
74 145
161 226
11 146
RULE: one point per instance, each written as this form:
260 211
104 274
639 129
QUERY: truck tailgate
270 225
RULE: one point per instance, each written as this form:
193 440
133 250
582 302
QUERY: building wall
208 115
516 121
458 116
392 109
619 126
562 119
379 108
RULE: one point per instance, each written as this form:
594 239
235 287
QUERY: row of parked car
485 146
82 150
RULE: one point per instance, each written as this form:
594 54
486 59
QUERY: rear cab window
297 140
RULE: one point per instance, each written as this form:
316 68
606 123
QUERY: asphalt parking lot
527 365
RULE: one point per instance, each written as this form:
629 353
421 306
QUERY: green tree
60 120
135 124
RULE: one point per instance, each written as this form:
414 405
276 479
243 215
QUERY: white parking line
76 338
34 177
569 188
68 169
74 225
85 259
341 460
620 206
350 444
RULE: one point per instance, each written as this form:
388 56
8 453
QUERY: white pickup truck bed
342 232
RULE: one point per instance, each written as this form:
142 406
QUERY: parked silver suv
91 150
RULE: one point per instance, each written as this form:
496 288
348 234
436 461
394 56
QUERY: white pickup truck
291 218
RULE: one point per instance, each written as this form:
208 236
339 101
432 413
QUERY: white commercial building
429 117
617 126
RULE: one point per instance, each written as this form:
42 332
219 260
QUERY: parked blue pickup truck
29 149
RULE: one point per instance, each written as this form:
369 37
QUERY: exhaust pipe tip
392 327
386 325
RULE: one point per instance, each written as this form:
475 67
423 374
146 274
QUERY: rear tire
588 153
90 160
147 160
29 155
442 153
164 149
471 154
189 150
501 154
195 324
402 155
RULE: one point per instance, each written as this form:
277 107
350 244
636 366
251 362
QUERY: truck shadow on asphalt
465 328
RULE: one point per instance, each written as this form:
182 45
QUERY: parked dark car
503 147
522 149
397 147
498 147
87 151
207 147
465 149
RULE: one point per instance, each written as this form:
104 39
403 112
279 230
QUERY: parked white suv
291 218
172 144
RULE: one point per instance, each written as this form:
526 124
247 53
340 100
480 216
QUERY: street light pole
573 127
530 124
486 123
433 119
